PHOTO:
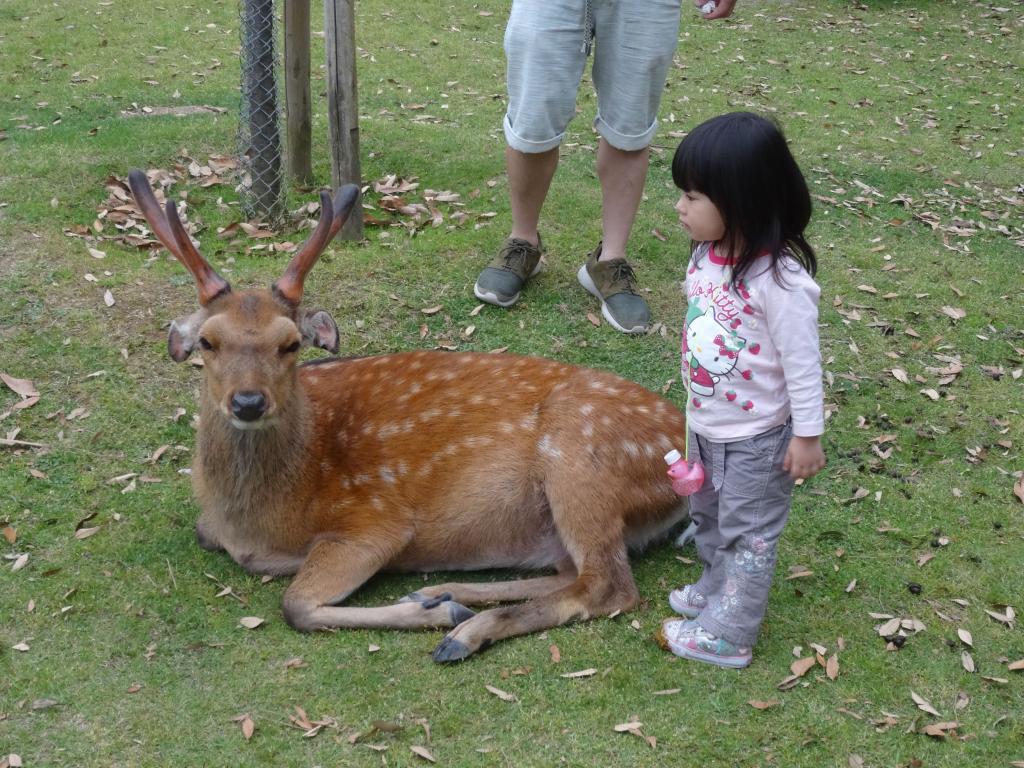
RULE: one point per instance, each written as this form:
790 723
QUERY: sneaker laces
515 252
622 274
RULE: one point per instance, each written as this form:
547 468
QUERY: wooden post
342 104
298 107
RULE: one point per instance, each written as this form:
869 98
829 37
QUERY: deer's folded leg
333 570
593 593
480 593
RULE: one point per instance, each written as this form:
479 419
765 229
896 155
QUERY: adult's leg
622 174
529 178
635 44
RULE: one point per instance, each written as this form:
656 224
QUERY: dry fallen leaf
10 534
503 695
22 387
631 726
20 562
250 622
247 725
108 298
432 310
423 752
763 704
965 637
1006 618
967 660
556 655
832 667
582 673
801 667
900 375
923 705
1016 666
890 627
939 730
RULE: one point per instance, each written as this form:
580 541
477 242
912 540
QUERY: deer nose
248 406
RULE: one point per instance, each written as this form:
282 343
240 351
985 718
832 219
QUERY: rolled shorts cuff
622 141
526 146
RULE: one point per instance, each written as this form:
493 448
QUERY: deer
338 468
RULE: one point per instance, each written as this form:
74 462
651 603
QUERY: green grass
904 115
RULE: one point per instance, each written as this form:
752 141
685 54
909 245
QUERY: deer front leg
584 598
605 585
333 570
479 593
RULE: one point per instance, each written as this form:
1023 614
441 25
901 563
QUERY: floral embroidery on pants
748 566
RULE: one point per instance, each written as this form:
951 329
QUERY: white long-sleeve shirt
750 352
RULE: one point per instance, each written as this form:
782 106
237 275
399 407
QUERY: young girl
750 355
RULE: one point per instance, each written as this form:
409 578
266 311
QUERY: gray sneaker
614 283
502 279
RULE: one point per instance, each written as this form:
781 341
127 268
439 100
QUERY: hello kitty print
747 349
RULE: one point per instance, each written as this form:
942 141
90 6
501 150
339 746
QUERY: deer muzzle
248 408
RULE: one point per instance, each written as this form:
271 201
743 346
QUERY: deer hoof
433 602
449 650
427 600
459 613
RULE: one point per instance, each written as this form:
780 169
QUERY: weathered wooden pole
342 104
298 107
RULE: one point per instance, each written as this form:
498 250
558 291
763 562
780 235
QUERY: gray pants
740 512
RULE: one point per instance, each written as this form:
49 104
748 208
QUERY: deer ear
319 330
183 335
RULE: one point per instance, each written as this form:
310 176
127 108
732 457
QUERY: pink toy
686 478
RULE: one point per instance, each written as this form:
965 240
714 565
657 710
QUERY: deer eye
204 343
290 349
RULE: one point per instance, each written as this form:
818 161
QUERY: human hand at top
723 8
804 457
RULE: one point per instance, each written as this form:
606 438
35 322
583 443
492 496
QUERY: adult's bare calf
418 461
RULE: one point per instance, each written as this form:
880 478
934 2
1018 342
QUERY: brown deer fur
418 461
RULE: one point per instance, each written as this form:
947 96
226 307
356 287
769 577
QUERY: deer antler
175 239
290 285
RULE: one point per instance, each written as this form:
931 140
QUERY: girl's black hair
742 163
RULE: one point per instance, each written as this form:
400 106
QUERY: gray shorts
634 41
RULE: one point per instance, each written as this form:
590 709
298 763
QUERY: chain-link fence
262 187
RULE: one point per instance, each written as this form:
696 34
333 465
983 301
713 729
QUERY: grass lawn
120 639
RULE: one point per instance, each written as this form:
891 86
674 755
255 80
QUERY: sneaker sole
683 609
729 662
490 297
584 279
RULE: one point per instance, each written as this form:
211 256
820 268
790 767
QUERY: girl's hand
804 457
